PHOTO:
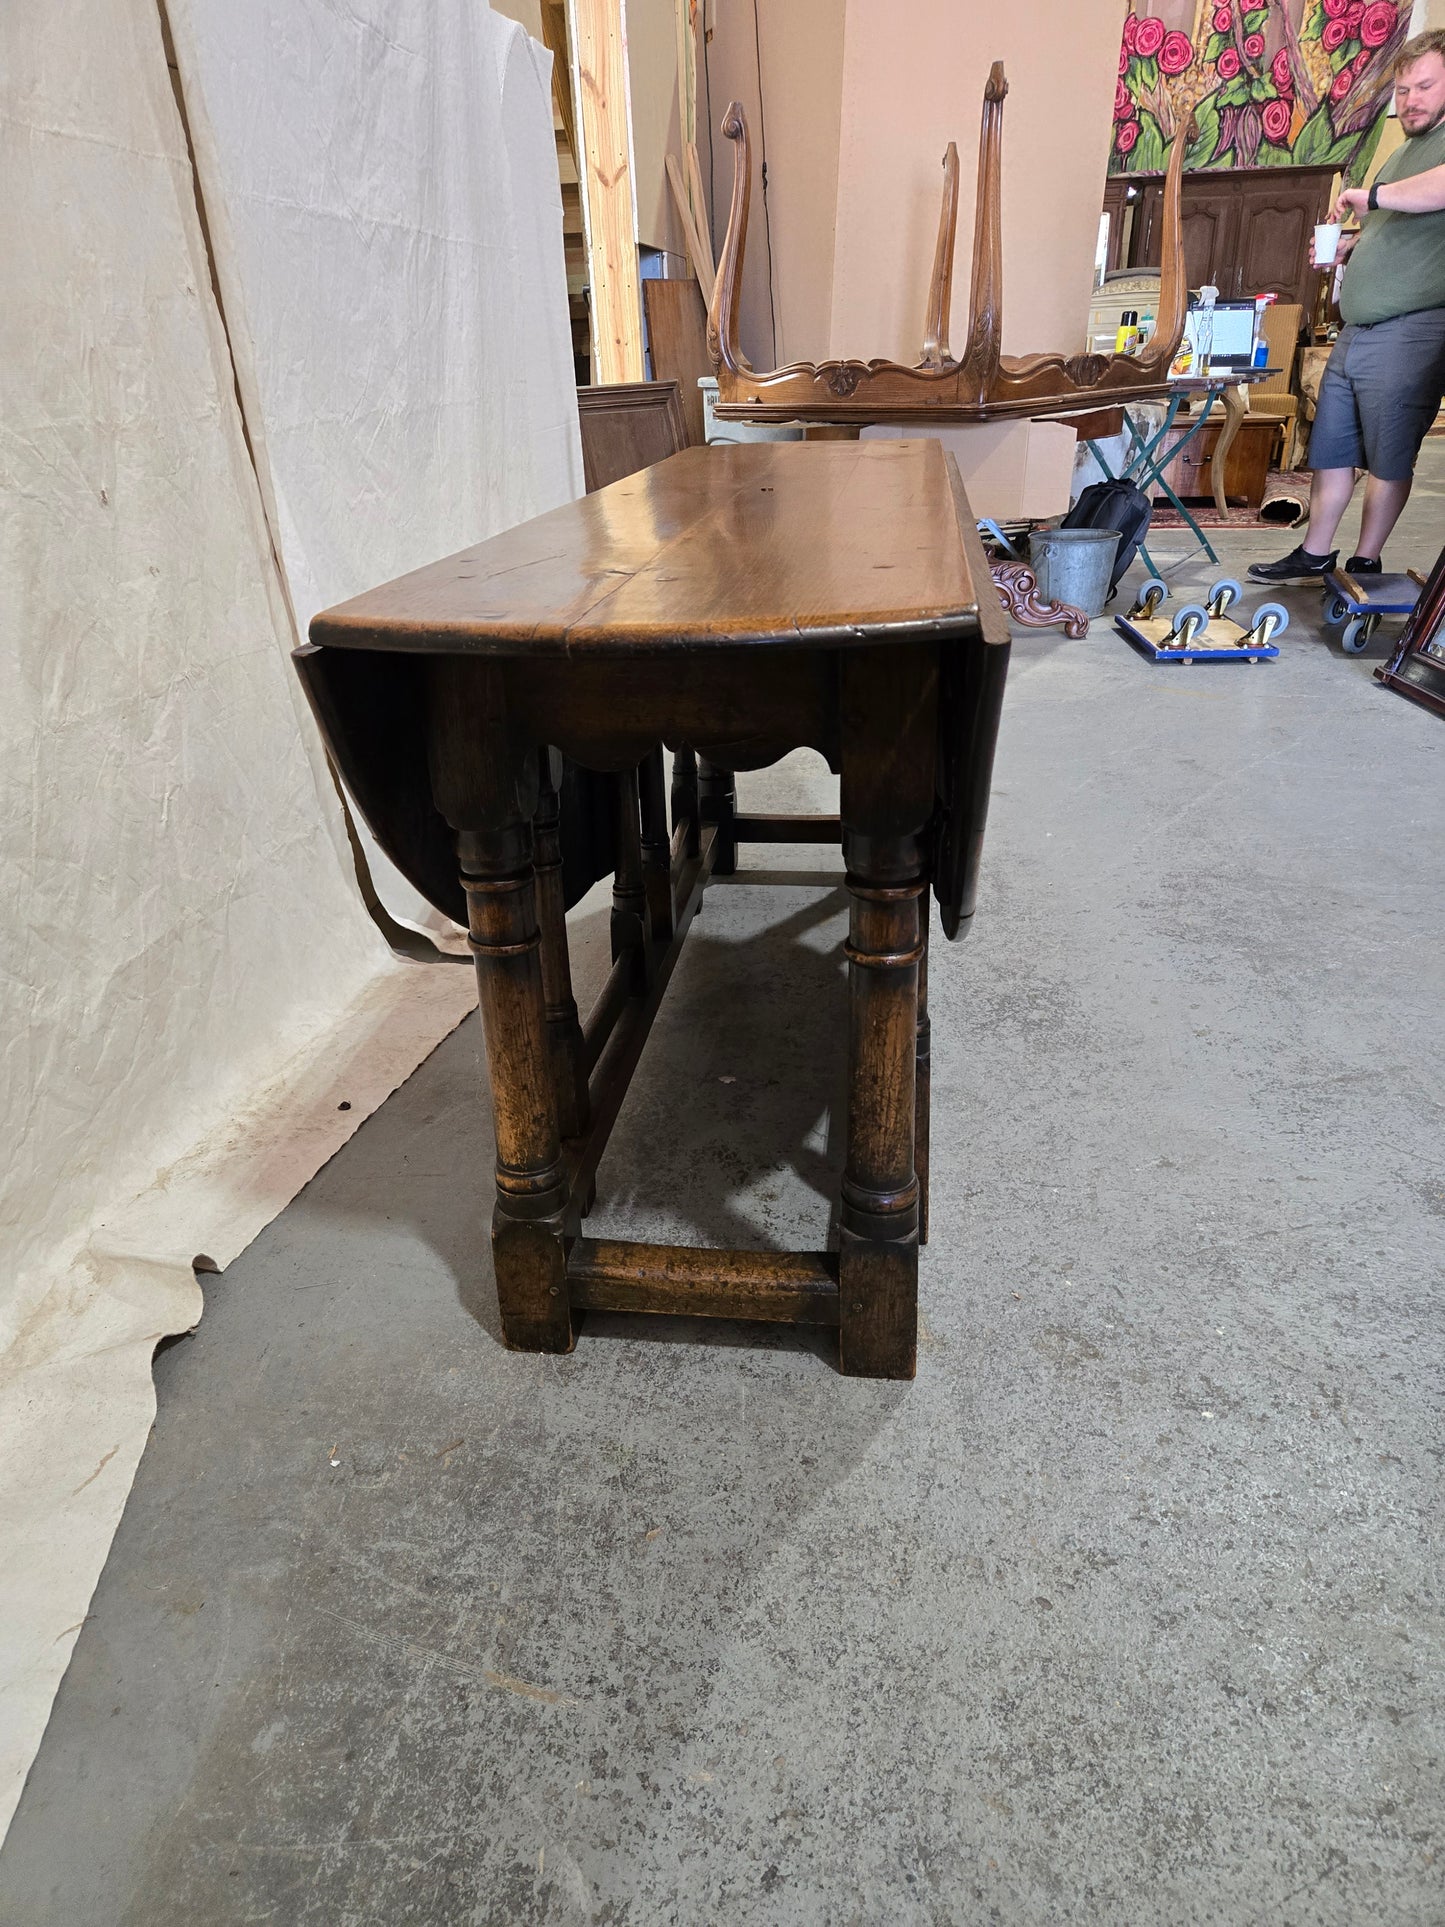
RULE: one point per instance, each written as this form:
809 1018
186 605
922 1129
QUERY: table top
1220 378
820 544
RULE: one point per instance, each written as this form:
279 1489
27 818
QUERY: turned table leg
878 1248
564 1030
631 924
922 1074
718 803
487 786
889 718
527 1223
684 797
656 846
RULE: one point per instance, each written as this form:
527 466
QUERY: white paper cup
1327 243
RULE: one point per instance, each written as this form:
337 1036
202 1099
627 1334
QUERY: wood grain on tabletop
769 542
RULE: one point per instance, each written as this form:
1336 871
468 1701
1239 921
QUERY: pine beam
598 30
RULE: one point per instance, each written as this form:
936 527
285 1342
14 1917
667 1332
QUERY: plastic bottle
1146 328
1204 329
1128 333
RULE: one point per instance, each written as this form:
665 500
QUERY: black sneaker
1364 565
1298 566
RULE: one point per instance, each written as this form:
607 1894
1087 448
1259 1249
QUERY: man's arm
1419 194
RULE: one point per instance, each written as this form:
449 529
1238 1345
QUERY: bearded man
1384 381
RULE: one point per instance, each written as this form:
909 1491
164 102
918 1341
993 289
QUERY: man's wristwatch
1372 199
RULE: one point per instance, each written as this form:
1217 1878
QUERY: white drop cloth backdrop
189 985
382 190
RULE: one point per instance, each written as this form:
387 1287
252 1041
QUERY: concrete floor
1127 1611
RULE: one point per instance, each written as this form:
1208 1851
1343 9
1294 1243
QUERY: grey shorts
1379 393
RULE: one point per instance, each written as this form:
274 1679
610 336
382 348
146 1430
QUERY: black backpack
1113 505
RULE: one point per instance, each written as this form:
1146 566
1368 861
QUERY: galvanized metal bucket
1074 565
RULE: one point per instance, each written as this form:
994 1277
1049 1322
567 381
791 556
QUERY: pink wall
799 45
913 79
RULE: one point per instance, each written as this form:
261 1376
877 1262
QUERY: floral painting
1273 83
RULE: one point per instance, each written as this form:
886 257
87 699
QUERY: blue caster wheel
1152 592
1188 630
1222 593
1357 633
1336 608
1275 609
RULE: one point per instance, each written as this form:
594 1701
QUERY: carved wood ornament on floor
984 384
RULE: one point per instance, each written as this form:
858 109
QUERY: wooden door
1211 226
1278 208
1210 217
1247 231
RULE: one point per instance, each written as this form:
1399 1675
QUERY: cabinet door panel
1209 226
1274 246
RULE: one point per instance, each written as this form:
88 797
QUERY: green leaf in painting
1234 93
1254 20
1215 45
1271 156
1261 89
1148 75
1200 151
1315 138
1150 150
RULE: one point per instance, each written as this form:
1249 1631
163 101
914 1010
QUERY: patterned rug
1285 502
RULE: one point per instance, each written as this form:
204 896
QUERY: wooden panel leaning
628 425
730 604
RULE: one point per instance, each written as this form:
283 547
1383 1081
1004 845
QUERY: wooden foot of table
528 1225
878 1238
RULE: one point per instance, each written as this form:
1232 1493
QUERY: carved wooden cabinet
1246 231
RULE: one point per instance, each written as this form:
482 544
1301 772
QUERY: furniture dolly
731 604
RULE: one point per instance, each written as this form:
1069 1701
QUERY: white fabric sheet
382 189
189 985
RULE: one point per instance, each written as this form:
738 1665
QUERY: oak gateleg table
730 604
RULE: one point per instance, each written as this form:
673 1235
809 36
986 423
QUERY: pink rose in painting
1123 61
1342 83
1176 54
1228 64
1377 23
1254 45
1223 20
1123 102
1149 37
1131 33
1335 35
1279 69
1276 120
1336 9
1353 18
1127 135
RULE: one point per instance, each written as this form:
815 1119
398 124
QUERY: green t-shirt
1398 263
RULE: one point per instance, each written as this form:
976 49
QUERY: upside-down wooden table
732 604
